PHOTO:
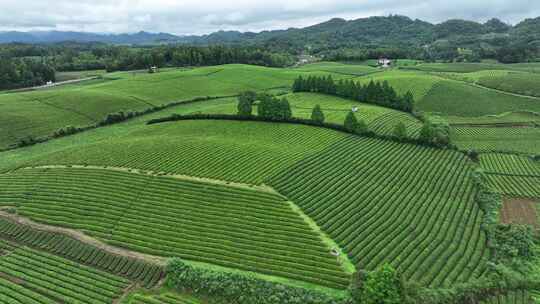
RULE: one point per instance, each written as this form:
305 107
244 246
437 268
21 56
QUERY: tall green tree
317 115
245 106
350 122
383 286
400 131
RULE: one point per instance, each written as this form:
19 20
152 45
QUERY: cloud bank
205 16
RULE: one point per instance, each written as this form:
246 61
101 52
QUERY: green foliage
400 131
317 115
489 201
350 122
361 127
382 286
375 92
513 242
435 132
273 108
233 287
245 103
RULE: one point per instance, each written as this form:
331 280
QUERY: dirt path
56 84
520 211
83 238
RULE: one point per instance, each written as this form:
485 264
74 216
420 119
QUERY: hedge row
235 288
292 120
111 118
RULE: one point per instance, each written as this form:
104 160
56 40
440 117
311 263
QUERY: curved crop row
79 252
388 202
233 227
488 139
516 186
245 152
509 164
48 279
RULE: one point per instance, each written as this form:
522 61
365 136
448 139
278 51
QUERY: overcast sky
204 16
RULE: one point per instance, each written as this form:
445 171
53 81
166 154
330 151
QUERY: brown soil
520 211
84 238
11 279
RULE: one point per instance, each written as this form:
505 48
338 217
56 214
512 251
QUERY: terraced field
486 139
339 68
475 67
508 118
29 276
456 98
40 113
419 84
387 202
515 186
509 164
144 273
213 149
233 227
380 120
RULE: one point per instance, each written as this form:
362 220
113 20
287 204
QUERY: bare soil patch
520 211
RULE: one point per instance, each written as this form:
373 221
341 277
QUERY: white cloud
200 16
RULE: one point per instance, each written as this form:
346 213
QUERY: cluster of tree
163 56
269 107
374 92
19 73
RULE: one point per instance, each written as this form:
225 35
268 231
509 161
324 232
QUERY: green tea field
200 196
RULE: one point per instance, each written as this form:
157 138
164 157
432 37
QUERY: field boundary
343 258
260 188
79 236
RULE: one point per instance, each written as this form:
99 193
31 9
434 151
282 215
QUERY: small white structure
49 83
354 109
385 62
154 69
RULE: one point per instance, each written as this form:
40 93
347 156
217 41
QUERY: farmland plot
29 276
386 202
232 227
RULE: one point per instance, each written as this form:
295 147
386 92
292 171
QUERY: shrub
382 286
234 287
350 122
400 131
245 103
317 115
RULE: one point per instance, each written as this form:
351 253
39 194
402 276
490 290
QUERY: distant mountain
58 36
393 31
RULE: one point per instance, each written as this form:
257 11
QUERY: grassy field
338 68
40 113
456 98
475 67
419 214
508 118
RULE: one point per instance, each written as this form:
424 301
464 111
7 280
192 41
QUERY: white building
385 62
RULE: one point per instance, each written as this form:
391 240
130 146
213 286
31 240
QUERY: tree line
379 93
21 73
